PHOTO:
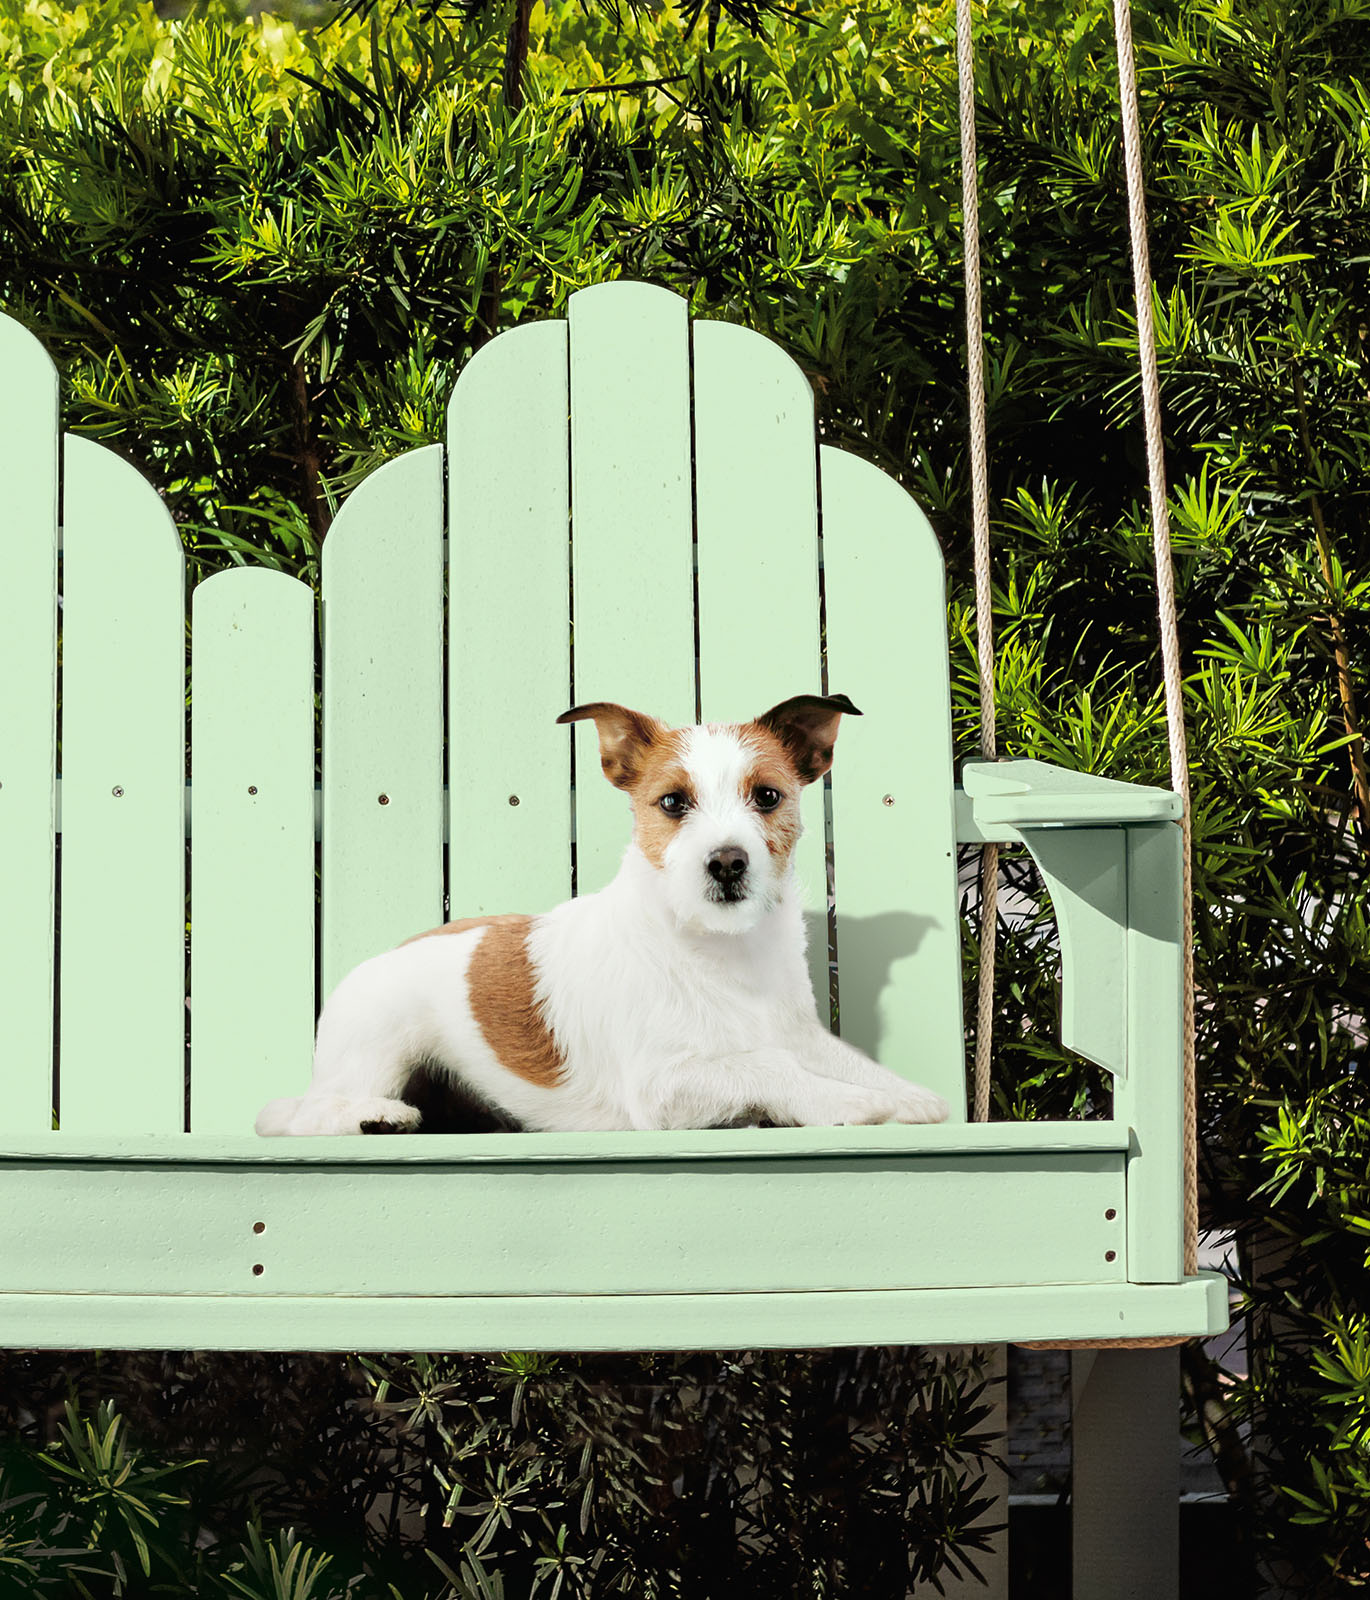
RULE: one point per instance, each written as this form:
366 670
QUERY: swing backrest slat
631 519
28 725
252 826
381 860
123 755
894 826
509 636
756 517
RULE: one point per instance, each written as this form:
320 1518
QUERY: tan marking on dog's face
773 768
661 771
502 989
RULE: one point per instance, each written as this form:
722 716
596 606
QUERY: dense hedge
261 254
472 1478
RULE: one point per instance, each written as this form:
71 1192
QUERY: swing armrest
1110 856
1026 793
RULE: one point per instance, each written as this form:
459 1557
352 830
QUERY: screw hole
259 1227
258 1270
1110 1255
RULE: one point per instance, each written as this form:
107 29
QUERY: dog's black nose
727 866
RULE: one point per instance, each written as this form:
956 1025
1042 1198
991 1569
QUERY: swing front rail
788 1237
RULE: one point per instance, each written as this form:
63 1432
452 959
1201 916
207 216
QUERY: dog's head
716 808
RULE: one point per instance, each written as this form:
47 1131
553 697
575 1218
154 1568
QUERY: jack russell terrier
677 997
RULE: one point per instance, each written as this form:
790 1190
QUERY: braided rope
979 482
1165 577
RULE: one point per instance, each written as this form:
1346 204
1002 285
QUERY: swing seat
628 507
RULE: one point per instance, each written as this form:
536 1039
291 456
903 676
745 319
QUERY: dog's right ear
807 727
624 738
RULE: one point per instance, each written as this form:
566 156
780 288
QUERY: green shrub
260 255
310 1477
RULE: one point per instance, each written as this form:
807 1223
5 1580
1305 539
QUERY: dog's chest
620 987
697 1003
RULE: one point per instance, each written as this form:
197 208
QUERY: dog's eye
674 804
766 799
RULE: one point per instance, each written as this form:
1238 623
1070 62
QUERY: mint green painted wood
123 785
1085 872
28 671
509 648
631 534
971 829
756 496
574 1241
888 1141
898 934
1024 791
252 888
381 863
618 1322
840 1224
1151 1098
756 531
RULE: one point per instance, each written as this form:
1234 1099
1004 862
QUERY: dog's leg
335 1113
362 1059
769 1084
828 1056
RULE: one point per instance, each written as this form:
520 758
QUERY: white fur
671 1008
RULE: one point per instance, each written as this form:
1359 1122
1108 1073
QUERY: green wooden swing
658 470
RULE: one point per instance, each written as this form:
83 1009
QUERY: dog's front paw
913 1103
861 1106
333 1114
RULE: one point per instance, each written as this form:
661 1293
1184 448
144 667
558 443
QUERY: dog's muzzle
728 868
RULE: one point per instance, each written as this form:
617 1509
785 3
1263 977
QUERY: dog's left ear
807 727
624 738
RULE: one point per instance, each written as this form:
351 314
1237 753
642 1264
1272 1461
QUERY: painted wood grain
28 722
381 854
252 884
509 647
746 1321
123 1016
898 931
631 534
756 515
618 1228
1151 1098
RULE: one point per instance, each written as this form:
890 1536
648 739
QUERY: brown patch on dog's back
502 990
465 924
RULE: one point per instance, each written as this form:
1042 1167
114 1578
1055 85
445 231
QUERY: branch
1360 774
307 453
630 88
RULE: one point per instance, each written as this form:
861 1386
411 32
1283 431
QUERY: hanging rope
1160 529
979 484
1165 578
